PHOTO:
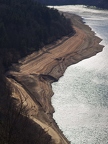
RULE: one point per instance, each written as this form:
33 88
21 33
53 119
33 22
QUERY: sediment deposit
31 78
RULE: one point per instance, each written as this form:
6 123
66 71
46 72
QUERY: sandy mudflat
35 73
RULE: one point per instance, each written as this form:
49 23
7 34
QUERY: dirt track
38 70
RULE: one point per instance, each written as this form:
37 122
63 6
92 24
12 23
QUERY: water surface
81 95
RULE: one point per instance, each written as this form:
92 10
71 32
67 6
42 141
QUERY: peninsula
31 78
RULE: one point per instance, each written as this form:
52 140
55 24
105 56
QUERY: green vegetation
25 26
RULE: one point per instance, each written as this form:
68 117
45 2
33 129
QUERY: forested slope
98 3
25 26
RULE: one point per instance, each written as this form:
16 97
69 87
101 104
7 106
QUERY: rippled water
81 95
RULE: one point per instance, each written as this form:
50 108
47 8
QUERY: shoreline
33 75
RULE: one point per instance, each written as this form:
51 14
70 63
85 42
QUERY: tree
16 126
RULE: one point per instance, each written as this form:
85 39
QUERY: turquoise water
81 95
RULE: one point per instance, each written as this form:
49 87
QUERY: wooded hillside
98 3
25 26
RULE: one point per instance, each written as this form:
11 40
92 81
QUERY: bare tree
15 125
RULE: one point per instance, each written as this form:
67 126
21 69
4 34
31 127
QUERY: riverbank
32 77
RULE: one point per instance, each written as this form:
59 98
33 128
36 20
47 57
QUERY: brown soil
32 77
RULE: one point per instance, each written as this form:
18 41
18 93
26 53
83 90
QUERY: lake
81 95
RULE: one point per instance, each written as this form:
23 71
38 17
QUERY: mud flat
31 78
